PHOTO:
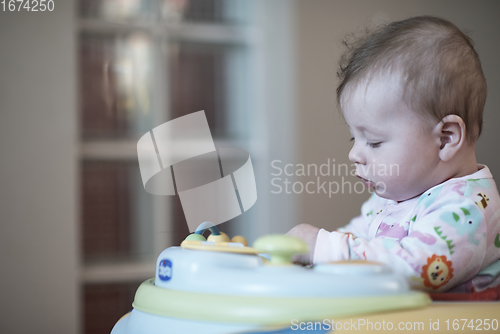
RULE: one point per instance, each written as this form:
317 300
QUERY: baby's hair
437 62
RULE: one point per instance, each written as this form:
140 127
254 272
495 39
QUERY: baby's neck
464 164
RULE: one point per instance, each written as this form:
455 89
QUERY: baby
412 94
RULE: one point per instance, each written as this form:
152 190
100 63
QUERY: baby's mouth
368 183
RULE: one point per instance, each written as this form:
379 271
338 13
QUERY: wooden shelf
195 32
109 149
117 272
126 149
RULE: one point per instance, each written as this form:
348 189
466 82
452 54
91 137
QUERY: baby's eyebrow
373 132
369 131
365 129
360 128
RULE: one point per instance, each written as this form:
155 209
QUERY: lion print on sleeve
437 272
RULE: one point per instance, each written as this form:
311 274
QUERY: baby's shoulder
459 192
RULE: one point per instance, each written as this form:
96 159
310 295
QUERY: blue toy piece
218 287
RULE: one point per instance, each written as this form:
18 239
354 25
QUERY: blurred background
80 84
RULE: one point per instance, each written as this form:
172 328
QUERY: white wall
277 109
321 26
38 230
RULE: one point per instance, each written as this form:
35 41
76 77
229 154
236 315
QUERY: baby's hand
308 234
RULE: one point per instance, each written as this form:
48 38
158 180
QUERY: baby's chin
393 195
383 190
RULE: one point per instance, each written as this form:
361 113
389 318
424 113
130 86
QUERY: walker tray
221 286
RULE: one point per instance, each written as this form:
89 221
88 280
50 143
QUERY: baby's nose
356 156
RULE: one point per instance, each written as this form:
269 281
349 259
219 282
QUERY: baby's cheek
393 187
386 170
391 182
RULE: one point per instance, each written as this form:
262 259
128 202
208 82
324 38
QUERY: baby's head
412 94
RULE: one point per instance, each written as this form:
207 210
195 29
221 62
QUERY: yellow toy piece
222 237
218 243
240 239
228 247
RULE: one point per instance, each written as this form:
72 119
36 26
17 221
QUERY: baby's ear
451 133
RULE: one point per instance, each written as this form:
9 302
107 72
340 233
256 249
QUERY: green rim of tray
264 310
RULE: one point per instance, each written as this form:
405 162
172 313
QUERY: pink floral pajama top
447 239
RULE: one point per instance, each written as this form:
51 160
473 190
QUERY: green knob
195 237
280 247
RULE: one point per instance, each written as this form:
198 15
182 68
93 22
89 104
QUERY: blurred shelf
190 32
113 272
211 33
126 149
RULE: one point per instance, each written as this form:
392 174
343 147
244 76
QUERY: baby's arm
308 234
358 226
445 245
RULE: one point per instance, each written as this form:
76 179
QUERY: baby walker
218 286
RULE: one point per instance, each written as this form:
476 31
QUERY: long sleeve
334 245
359 225
438 242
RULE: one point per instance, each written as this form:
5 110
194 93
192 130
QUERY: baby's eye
374 145
352 139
